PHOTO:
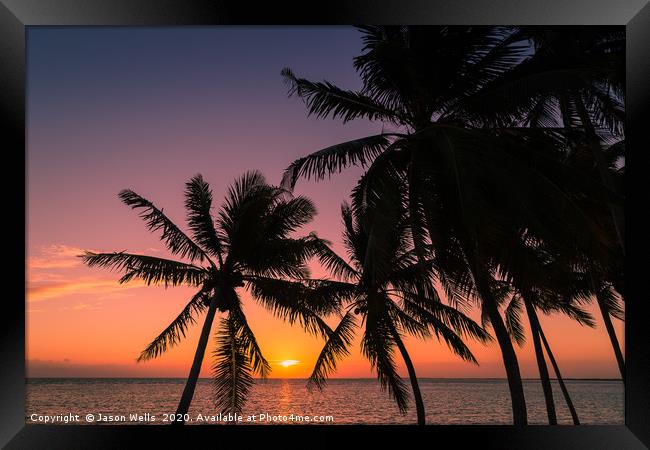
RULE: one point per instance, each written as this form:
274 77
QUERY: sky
148 108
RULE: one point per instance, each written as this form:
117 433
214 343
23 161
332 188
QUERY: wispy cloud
83 307
115 296
84 285
56 270
56 256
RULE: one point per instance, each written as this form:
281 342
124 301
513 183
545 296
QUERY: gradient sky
147 108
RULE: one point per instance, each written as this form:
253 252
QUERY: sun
288 362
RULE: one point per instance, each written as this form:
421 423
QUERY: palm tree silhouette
474 176
546 282
248 245
391 291
576 79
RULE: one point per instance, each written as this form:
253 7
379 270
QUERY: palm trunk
612 337
515 385
510 363
190 385
609 327
519 414
417 395
541 364
560 380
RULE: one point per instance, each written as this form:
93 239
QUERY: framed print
367 221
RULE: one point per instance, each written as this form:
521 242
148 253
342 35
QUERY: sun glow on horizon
288 362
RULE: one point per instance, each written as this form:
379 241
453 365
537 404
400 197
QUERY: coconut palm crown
390 292
247 244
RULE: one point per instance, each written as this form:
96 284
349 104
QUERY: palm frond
231 369
378 346
150 269
198 201
288 301
259 364
611 302
324 99
287 215
407 322
335 348
334 159
176 241
576 313
412 276
513 320
279 258
445 329
248 197
175 332
426 309
336 265
352 239
326 297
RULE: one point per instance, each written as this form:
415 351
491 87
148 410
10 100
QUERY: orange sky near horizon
81 322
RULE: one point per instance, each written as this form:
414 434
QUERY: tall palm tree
465 178
391 291
547 283
513 312
576 79
596 105
538 275
246 245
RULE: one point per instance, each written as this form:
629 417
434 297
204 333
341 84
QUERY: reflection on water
347 400
285 398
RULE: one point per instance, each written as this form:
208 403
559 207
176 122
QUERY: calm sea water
346 401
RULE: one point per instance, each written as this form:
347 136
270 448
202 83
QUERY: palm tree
537 333
246 245
466 171
576 79
391 291
546 282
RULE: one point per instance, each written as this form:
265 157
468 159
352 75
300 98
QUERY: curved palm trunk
519 414
541 364
417 395
560 380
612 337
510 363
610 328
190 385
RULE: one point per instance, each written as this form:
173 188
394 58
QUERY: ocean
288 401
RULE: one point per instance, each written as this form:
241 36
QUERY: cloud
85 285
83 307
55 256
40 277
115 296
56 271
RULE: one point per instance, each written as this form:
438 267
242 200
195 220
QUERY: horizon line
306 378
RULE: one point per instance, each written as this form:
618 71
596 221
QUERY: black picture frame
16 15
